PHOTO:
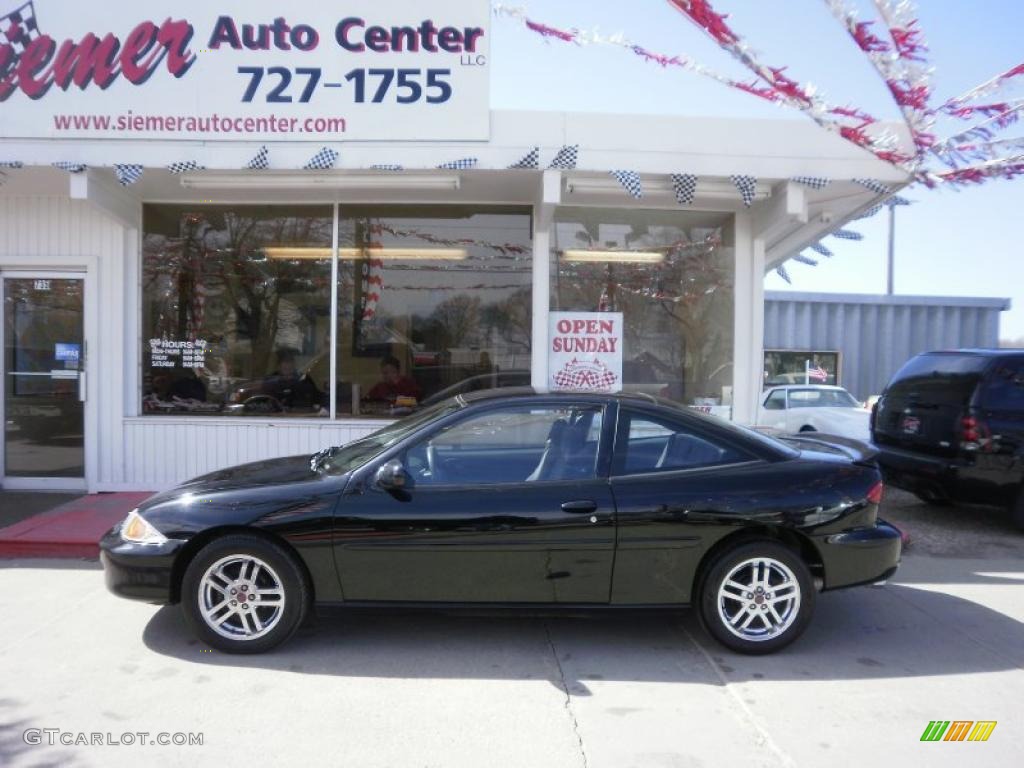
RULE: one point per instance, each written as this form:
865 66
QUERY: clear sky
951 243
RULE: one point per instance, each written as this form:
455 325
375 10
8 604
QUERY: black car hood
264 492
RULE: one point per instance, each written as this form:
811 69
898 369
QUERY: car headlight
136 529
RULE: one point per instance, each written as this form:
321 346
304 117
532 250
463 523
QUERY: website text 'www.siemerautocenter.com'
195 124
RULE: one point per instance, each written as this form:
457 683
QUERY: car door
509 503
675 488
773 409
999 465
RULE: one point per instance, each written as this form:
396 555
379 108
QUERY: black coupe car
518 498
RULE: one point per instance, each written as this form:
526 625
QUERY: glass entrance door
43 377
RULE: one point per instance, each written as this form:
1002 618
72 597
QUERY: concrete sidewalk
72 529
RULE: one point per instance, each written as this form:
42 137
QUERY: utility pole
892 249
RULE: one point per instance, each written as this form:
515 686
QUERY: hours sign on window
585 351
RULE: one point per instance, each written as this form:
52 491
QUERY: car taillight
974 434
875 494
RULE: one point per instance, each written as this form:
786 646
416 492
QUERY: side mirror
391 476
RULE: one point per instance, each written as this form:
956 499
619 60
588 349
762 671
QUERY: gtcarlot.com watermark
55 736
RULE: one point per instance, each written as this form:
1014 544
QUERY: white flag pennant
630 181
818 247
781 272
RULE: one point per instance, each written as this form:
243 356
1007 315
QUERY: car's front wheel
757 597
244 594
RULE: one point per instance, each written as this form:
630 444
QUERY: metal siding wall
164 451
875 338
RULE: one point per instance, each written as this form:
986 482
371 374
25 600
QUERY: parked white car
814 408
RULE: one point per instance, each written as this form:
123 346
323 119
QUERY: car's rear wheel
807 428
244 594
757 597
1017 510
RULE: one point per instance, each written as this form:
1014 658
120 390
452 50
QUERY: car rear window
938 379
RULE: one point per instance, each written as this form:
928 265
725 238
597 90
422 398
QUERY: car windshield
938 379
339 460
821 398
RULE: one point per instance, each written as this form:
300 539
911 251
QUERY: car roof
977 351
805 386
510 393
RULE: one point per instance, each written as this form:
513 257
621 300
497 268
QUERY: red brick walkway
71 530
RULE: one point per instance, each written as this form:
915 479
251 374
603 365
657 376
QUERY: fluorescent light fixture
318 180
428 254
288 253
656 186
618 257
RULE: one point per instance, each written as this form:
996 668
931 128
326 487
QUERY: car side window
510 445
1004 387
649 444
776 401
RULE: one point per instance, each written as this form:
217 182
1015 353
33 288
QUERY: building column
550 194
748 341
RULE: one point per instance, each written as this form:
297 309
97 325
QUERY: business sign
585 351
251 70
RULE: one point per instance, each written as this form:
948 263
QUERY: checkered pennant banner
583 378
781 272
261 161
71 167
805 260
847 234
14 164
685 187
565 158
875 186
814 182
127 174
323 160
185 167
18 28
386 167
747 185
897 200
819 248
463 164
531 160
630 181
869 212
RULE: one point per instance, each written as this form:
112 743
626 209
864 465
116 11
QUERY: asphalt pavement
943 641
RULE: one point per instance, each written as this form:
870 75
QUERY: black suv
950 427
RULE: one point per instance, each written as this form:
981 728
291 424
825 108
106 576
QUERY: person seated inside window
291 389
393 384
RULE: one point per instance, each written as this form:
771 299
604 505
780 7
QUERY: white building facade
169 310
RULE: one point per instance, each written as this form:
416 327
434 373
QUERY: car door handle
581 507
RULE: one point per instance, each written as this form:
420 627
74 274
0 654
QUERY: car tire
1017 510
929 497
253 590
776 620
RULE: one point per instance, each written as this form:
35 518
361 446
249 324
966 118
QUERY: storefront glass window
782 366
236 308
671 274
432 302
